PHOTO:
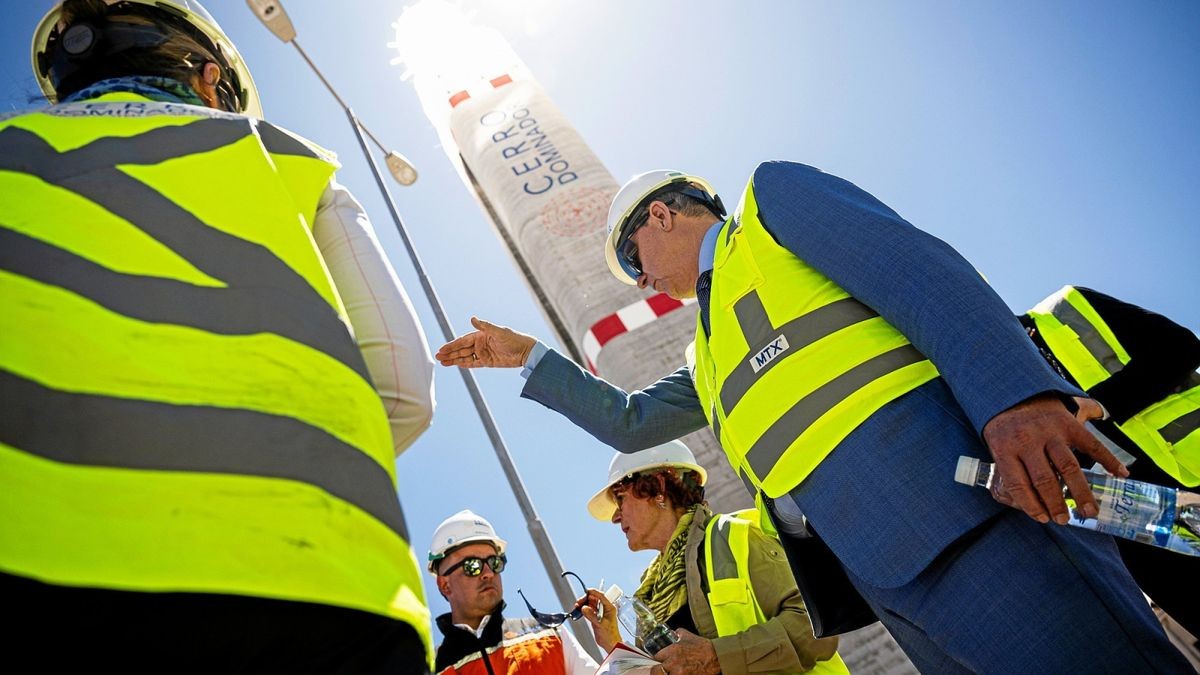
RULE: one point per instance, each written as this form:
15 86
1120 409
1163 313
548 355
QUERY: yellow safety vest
185 408
794 363
1168 431
730 589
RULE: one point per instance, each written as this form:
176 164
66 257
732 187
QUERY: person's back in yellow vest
196 466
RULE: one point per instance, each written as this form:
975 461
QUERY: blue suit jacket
884 500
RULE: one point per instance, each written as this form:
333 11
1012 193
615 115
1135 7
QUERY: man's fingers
1071 474
482 325
1016 483
1091 446
458 344
458 353
1044 480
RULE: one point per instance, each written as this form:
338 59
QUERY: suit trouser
1014 596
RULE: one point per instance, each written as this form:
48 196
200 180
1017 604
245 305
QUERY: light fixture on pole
271 13
273 16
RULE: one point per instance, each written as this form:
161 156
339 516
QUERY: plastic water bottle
1142 512
650 634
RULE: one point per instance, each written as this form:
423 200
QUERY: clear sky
1049 142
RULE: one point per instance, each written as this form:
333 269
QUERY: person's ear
659 211
206 84
211 74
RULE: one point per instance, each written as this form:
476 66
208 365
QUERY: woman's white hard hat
626 201
461 528
190 11
673 455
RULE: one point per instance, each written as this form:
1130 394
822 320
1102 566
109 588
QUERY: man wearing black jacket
1158 363
468 558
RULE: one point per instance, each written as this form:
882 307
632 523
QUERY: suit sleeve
627 421
915 281
785 642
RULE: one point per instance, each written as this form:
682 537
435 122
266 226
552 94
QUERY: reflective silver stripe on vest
1181 427
1089 336
140 434
798 333
263 294
279 143
747 482
775 440
724 565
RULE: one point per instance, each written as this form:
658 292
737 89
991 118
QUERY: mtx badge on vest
776 347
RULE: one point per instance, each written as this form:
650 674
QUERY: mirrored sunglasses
473 566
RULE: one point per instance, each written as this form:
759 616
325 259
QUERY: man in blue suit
878 356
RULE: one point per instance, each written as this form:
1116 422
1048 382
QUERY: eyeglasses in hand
558 618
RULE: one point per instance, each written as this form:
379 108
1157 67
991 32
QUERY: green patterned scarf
664 583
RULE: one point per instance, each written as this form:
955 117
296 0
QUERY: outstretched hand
488 346
1031 443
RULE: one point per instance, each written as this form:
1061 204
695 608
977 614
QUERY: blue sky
1050 143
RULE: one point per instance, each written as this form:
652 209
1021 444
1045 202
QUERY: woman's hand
602 614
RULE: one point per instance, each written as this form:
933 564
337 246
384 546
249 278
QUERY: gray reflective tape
278 142
1181 427
107 431
749 484
769 447
724 565
262 292
752 318
1088 335
224 311
798 334
25 151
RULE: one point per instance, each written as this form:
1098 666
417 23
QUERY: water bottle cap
613 593
967 470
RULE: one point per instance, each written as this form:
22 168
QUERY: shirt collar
708 247
477 631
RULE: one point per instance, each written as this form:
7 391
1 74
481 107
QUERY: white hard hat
461 528
632 195
188 11
668 455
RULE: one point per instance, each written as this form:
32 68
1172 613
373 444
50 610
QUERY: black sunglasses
627 249
473 566
558 618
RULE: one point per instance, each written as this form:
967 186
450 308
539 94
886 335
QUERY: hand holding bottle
1142 512
1032 443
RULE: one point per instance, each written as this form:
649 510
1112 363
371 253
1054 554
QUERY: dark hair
154 41
687 205
680 486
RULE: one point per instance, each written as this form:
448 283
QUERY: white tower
547 195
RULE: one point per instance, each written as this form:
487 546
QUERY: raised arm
627 421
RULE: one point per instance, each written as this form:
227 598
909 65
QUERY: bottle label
1137 511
